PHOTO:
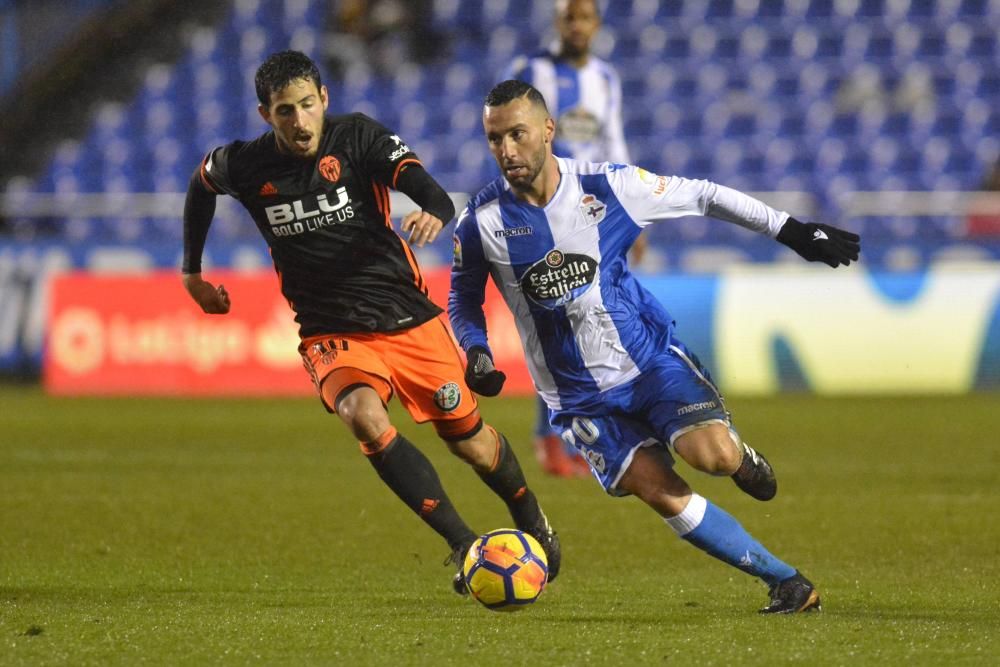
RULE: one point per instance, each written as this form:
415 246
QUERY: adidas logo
428 506
268 190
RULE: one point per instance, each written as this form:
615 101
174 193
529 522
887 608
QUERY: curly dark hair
280 69
512 89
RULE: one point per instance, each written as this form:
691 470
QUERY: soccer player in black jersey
317 188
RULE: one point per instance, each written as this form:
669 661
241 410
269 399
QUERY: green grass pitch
210 532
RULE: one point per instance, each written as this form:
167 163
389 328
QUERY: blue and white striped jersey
586 324
586 104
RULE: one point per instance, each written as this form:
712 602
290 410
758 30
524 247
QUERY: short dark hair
512 89
280 69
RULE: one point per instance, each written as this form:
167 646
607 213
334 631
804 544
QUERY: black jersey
341 265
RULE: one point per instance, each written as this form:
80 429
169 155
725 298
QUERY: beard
527 173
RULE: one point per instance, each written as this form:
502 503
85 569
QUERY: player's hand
423 227
481 375
820 243
213 300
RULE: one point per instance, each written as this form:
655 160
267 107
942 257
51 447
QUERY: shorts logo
696 407
329 168
326 354
448 397
595 459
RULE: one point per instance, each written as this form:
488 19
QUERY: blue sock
718 534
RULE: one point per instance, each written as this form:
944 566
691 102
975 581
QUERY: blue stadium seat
924 10
627 47
820 10
870 9
984 46
676 47
674 157
638 123
973 8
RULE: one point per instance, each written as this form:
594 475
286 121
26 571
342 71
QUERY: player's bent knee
712 448
362 410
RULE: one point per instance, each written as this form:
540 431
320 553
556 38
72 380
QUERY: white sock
690 518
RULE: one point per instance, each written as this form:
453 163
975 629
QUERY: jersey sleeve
384 153
215 170
648 198
469 273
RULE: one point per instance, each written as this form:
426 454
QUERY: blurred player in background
318 189
554 234
584 94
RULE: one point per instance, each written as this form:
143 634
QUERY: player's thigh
338 364
609 444
678 396
429 378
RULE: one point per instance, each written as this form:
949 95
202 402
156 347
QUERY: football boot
793 595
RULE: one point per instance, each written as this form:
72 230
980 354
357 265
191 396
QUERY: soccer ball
505 569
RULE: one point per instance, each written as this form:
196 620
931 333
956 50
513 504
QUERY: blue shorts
653 410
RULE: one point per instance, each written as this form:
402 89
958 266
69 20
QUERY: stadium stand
825 97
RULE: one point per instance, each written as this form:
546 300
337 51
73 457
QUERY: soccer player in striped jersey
584 94
317 187
554 233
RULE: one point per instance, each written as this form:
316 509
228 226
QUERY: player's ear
264 113
550 129
324 96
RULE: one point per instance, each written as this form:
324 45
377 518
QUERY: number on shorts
585 429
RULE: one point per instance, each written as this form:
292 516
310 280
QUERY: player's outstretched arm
820 243
199 209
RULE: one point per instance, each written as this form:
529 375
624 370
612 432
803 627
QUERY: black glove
820 243
481 375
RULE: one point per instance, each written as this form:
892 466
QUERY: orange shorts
422 365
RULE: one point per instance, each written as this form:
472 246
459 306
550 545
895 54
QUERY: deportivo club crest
593 209
448 397
329 168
